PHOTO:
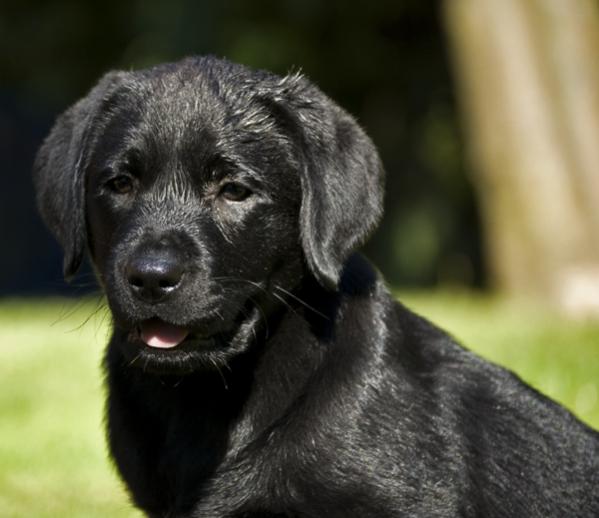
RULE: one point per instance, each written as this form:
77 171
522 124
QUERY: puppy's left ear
58 171
342 178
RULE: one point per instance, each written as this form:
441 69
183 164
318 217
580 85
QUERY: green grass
53 460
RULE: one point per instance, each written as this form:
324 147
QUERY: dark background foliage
386 61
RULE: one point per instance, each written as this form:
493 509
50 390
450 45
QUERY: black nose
153 275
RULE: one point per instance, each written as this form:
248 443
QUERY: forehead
193 116
187 111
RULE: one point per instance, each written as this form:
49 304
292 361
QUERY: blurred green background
386 62
486 116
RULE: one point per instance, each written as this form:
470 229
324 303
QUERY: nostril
168 283
136 281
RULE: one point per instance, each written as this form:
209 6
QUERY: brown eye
233 191
121 184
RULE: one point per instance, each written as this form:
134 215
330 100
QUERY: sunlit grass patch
53 460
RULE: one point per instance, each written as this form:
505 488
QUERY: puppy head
201 188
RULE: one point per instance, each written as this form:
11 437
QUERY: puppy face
192 220
201 188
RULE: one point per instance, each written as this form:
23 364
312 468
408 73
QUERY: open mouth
160 346
158 334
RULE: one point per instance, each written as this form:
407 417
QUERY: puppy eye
233 191
122 184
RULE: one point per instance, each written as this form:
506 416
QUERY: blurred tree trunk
528 72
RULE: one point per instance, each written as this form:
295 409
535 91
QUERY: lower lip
190 342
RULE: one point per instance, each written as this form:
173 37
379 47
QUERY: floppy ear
341 177
58 171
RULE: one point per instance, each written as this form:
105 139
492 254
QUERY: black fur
305 390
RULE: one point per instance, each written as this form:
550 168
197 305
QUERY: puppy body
221 207
371 412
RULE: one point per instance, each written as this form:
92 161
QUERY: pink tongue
159 334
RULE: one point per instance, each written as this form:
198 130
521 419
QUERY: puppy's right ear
59 167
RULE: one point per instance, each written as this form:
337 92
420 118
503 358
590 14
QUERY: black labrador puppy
258 366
